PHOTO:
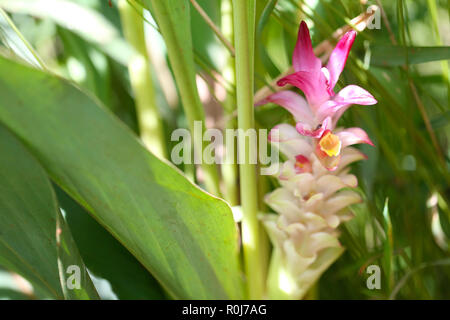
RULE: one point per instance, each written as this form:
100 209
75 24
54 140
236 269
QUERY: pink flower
317 116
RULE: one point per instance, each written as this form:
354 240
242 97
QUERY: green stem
444 63
222 37
150 124
229 168
174 23
244 27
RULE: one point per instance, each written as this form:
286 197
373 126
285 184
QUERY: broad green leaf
184 236
34 238
106 257
392 56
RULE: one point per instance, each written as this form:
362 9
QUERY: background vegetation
404 224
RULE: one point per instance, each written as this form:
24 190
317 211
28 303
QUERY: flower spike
322 108
310 201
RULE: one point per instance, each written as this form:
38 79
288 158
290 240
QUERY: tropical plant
111 185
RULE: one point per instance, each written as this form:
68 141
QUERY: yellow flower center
330 144
299 165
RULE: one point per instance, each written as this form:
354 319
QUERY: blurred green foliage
409 126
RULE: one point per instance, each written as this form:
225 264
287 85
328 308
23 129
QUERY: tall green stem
173 19
444 63
139 67
229 168
244 27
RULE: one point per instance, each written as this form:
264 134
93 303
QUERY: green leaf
96 79
393 56
106 257
444 215
184 236
11 38
34 239
263 55
441 120
70 264
388 247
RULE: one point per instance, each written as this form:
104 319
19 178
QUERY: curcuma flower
317 116
316 188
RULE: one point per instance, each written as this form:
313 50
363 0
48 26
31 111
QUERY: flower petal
330 163
287 170
339 56
352 136
300 184
283 202
350 155
303 58
302 164
312 221
316 242
340 201
345 98
292 102
276 234
307 130
349 179
290 142
296 263
283 132
329 184
354 95
295 147
314 202
328 109
313 85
